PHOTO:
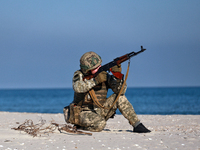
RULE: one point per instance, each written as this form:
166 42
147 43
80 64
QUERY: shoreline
168 132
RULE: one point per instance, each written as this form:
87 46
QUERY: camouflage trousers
96 120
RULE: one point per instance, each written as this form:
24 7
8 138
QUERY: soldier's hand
101 77
117 68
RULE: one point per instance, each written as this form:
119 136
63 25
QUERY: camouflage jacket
81 89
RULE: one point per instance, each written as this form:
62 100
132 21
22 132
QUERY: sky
41 42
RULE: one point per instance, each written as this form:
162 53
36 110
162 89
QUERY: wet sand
168 132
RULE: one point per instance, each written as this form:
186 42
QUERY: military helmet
89 61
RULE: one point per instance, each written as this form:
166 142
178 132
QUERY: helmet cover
89 61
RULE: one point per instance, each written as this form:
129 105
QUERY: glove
117 68
101 77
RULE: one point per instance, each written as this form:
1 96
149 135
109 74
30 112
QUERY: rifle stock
116 61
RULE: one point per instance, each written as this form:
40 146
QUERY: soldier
87 115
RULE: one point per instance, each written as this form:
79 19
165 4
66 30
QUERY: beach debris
7 141
35 129
42 128
69 129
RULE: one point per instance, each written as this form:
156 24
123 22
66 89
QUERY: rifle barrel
135 53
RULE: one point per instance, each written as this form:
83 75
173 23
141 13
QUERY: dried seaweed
36 129
42 128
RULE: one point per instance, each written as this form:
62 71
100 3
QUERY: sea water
163 101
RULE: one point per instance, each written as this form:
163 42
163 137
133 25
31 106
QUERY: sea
155 101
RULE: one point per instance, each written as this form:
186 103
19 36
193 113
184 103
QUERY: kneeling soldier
87 115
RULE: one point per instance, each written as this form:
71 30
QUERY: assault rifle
116 61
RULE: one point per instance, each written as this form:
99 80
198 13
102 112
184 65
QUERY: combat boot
141 129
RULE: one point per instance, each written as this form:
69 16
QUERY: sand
168 132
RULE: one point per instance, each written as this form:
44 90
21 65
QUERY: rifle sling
94 98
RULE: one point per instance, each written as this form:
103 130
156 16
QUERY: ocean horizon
145 100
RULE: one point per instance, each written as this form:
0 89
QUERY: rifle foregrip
122 59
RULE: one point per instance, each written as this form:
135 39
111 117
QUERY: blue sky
41 42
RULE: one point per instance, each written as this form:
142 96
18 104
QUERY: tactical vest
85 100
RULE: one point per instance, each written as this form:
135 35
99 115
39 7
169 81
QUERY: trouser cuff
136 124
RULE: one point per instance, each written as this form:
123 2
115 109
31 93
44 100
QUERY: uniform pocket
72 113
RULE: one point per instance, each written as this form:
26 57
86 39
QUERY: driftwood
41 128
70 129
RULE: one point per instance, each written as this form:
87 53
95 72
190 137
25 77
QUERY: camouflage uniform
92 117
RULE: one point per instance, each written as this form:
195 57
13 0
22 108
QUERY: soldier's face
93 71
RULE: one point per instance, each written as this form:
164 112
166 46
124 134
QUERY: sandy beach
168 132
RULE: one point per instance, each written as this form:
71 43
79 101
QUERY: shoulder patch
77 76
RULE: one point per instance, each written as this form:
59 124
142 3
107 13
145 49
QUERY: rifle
116 61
